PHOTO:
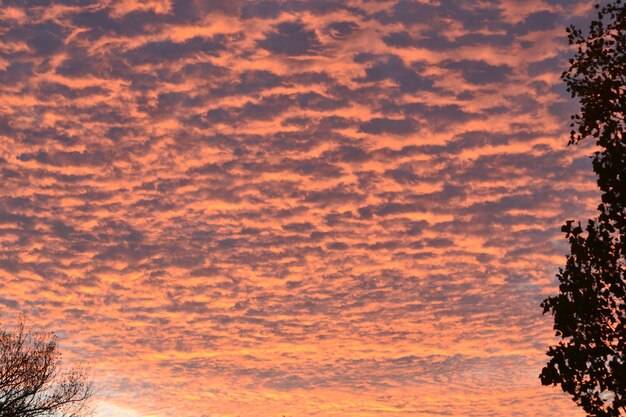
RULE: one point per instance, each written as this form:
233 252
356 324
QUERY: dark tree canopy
31 381
589 312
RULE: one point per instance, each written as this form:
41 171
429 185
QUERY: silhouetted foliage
31 381
590 310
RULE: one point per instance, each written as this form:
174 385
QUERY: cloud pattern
298 208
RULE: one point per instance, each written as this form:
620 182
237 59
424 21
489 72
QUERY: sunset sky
292 208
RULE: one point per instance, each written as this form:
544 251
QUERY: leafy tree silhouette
589 362
31 382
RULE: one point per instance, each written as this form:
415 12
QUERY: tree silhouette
31 381
589 312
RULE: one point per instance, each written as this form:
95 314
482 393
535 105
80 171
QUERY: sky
292 208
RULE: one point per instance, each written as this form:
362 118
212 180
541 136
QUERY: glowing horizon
292 208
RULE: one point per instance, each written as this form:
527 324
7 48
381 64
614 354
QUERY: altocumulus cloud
290 208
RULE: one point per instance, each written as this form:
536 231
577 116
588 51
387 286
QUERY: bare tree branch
32 383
